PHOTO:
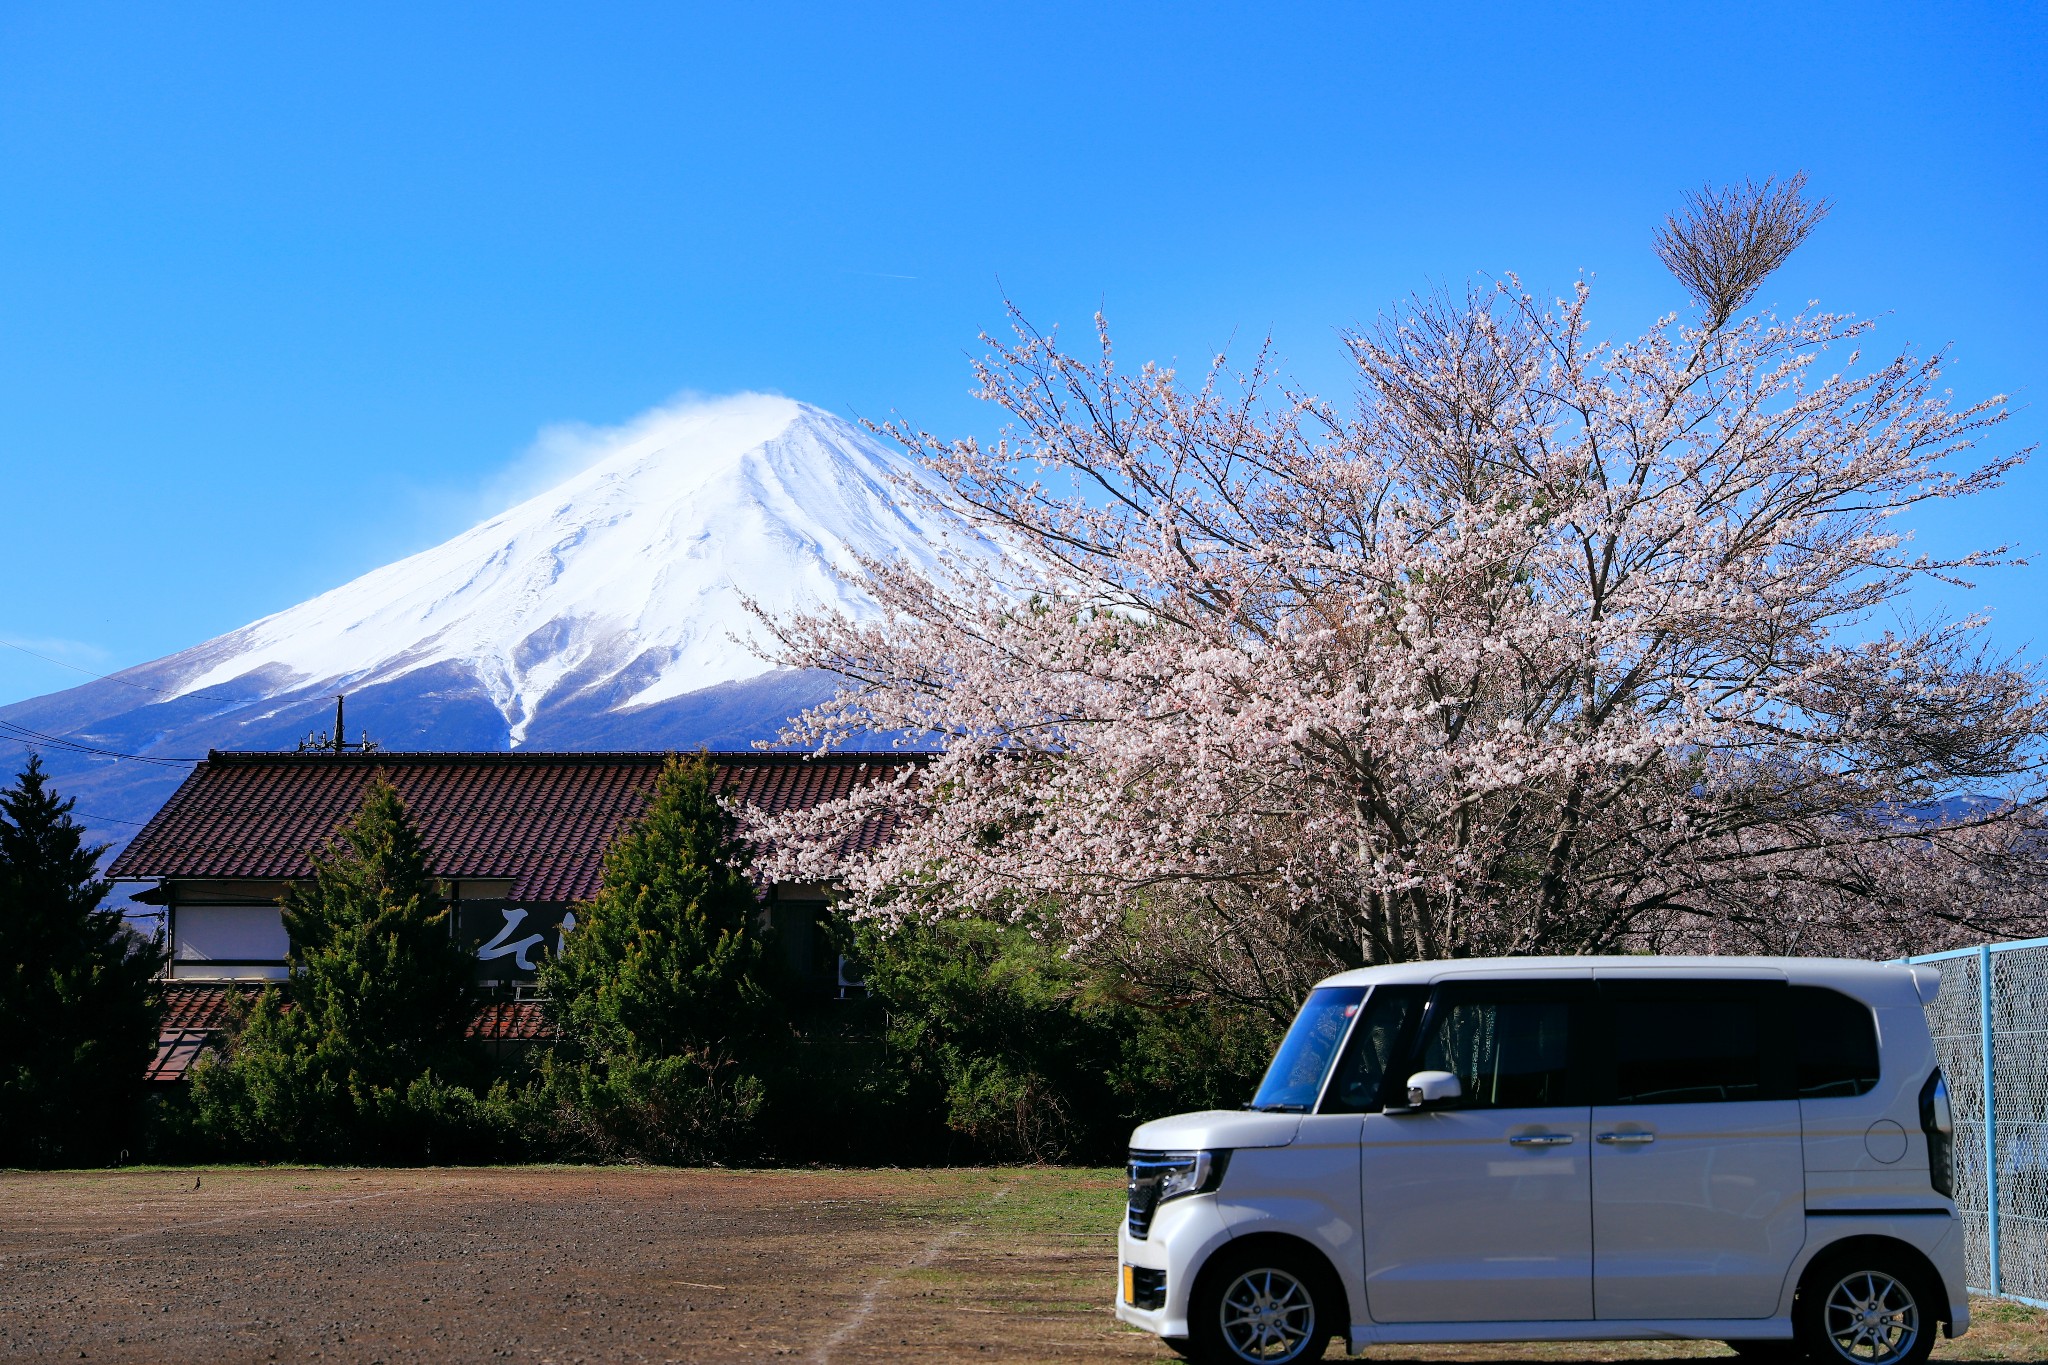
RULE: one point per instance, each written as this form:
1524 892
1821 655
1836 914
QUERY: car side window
1512 1045
1690 1041
1836 1041
1359 1085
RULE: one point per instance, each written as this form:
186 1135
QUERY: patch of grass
1052 1202
2002 1312
1034 1200
1062 1201
1999 1330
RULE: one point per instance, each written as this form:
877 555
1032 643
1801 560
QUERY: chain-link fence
1994 1050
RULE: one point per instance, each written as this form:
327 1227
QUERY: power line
30 739
120 682
91 819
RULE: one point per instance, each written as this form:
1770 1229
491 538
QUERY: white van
1753 1150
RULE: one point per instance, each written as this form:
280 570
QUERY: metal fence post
1990 1116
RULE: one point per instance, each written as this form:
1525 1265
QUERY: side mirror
1432 1087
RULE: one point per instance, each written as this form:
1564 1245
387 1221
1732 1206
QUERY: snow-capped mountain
623 580
603 613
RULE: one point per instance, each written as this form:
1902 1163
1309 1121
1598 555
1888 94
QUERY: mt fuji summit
604 613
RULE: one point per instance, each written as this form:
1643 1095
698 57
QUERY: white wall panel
219 941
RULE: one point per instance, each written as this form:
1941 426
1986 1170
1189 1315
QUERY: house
518 839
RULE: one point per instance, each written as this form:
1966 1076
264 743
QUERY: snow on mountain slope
629 572
601 614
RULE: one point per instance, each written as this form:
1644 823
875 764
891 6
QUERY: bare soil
578 1264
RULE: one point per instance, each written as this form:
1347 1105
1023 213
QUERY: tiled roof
176 1050
541 819
508 1022
194 1014
201 1007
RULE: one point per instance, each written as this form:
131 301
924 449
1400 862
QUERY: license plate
1130 1286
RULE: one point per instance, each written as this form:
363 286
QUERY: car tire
1768 1352
1865 1307
1262 1305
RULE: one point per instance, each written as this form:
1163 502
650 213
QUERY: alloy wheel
1871 1318
1267 1316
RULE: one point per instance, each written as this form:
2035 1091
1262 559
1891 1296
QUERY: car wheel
1263 1306
1768 1351
1865 1308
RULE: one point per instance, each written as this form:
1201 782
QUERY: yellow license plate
1130 1287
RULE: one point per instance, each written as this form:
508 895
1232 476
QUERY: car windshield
1296 1075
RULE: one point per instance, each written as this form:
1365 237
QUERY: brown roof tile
193 1014
541 819
176 1050
201 1007
510 1021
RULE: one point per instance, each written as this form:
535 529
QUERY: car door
1699 1188
1478 1210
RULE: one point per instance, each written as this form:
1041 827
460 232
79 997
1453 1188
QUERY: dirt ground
575 1264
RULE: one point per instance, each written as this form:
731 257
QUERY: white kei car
1752 1150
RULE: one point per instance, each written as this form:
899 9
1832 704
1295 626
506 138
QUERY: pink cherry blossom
1547 644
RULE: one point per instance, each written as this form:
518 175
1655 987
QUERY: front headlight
1189 1173
1159 1176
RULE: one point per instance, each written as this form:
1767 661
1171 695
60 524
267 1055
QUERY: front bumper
1184 1231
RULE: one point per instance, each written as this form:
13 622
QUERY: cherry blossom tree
1548 644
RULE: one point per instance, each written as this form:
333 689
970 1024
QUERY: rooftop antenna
321 742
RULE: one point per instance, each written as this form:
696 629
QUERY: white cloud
563 450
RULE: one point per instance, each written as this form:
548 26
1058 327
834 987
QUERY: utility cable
30 739
86 817
122 682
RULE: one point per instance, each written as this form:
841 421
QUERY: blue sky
282 289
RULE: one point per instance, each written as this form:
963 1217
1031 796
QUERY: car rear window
1835 1041
1687 1042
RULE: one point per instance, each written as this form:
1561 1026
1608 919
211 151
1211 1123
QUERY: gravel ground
578 1264
560 1264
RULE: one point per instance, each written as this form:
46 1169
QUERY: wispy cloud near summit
562 450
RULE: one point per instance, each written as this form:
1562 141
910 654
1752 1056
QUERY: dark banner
511 938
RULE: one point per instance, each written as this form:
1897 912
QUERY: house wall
225 930
234 931
227 943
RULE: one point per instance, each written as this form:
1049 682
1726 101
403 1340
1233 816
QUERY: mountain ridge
602 612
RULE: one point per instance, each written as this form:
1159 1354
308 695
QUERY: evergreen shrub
360 1056
1015 1050
79 1000
668 993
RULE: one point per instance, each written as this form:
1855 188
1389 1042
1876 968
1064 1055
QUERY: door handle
1541 1140
1626 1139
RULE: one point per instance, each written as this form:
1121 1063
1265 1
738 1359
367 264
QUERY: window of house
228 941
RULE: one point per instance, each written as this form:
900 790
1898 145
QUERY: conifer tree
361 1055
79 1003
665 990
